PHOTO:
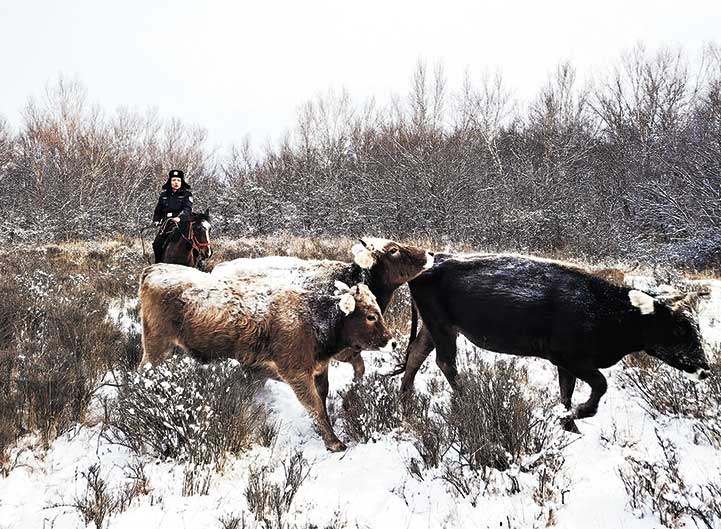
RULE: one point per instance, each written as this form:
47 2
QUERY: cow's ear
347 303
642 301
362 257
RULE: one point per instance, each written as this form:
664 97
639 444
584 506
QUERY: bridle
203 248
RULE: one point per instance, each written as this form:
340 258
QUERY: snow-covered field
367 486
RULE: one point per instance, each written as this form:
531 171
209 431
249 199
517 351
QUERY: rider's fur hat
177 173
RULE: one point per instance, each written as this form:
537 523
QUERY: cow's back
205 315
519 305
287 272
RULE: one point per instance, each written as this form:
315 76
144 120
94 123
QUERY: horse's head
200 223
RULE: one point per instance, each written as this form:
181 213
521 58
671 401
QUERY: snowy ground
367 486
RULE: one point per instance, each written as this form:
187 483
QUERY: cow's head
363 325
392 262
672 334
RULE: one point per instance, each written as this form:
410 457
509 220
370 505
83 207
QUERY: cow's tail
414 323
401 365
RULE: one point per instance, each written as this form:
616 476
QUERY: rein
196 245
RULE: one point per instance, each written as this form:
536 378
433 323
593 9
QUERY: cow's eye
371 317
394 250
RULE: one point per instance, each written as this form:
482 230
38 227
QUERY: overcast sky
240 67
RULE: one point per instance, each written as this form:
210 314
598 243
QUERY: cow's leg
446 357
355 359
567 383
417 352
305 389
321 386
597 381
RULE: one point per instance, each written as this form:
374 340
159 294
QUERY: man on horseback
175 202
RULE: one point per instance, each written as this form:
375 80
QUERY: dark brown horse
188 242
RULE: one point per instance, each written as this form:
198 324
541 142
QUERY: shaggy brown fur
290 333
392 265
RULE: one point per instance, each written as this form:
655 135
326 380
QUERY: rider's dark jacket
174 203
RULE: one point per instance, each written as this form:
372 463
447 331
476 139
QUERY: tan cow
382 264
290 333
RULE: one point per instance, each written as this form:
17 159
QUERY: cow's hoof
568 424
336 447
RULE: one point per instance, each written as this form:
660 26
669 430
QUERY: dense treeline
627 164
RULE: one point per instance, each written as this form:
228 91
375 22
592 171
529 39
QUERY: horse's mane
199 217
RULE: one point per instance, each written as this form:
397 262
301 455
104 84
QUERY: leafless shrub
233 521
55 343
185 410
707 505
663 391
99 501
657 486
135 471
268 500
496 424
374 406
268 432
96 503
495 420
196 480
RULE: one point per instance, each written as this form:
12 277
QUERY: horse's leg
158 245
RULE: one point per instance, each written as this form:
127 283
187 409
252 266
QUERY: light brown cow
382 264
291 333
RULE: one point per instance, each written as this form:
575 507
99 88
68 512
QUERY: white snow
368 485
119 312
275 271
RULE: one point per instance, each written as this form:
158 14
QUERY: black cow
548 309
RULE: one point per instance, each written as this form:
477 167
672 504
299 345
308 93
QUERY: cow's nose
703 374
394 344
431 254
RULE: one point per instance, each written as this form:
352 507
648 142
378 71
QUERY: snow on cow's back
165 276
201 291
282 271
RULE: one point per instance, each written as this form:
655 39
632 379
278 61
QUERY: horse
188 242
